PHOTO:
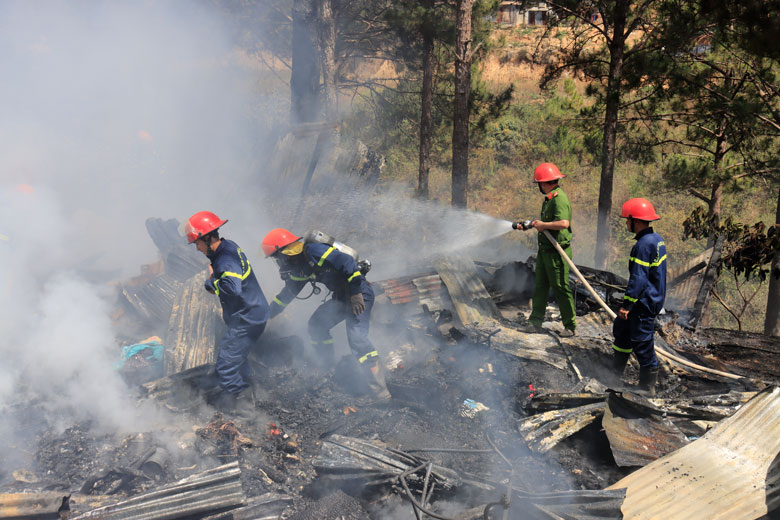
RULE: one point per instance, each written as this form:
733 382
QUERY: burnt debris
486 420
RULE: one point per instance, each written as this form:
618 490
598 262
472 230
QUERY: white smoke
112 112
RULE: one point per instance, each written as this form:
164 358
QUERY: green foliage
748 250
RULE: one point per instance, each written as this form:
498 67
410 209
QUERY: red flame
532 389
273 429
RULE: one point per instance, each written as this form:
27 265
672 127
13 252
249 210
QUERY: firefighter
551 270
244 308
644 297
300 262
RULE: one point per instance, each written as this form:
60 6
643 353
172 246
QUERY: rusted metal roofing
639 433
32 505
212 490
410 289
722 475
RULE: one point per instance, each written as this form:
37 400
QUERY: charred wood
38 506
542 432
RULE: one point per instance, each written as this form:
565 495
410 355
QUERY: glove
357 303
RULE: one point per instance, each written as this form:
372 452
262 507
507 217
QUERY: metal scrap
722 475
212 490
638 433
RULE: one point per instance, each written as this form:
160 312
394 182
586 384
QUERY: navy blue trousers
636 334
233 372
333 312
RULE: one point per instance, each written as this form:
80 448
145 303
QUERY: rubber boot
648 376
619 361
376 382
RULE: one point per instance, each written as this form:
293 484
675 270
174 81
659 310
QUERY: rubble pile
486 421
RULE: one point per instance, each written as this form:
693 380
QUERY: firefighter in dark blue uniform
644 297
301 262
244 307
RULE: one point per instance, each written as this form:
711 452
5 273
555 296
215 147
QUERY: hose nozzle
524 225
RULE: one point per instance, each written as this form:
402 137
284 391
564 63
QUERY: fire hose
661 352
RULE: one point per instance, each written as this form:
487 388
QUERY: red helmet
639 209
547 172
201 223
277 239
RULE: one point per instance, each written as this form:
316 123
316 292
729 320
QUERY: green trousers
552 271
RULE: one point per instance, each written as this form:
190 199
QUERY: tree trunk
460 123
426 116
616 50
772 320
305 75
328 54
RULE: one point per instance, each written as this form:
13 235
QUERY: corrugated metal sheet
722 475
638 433
32 505
412 289
683 294
212 490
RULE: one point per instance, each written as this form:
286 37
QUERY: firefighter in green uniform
552 271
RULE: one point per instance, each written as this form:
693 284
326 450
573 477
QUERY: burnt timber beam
708 282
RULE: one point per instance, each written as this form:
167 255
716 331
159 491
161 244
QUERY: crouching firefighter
317 258
634 326
244 308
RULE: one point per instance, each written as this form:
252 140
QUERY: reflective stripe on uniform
356 273
629 298
366 357
324 256
323 342
647 264
299 278
244 267
279 302
624 350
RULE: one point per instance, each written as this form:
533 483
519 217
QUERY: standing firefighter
319 259
644 297
244 307
551 270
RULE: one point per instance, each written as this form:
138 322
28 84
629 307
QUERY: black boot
648 376
619 361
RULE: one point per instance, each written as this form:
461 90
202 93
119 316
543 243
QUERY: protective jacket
647 273
556 206
242 299
321 263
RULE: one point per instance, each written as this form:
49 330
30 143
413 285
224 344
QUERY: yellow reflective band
647 264
298 278
365 358
4 237
216 287
638 261
356 273
279 302
236 275
624 350
323 342
629 298
324 256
